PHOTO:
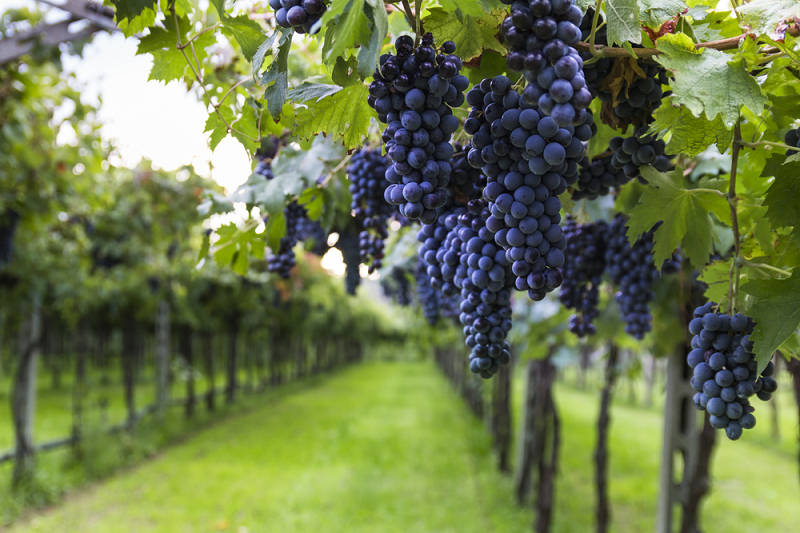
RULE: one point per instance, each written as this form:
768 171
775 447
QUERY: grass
390 447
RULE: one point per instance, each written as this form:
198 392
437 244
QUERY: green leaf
130 9
654 13
277 75
767 17
217 127
717 277
687 133
345 116
266 48
488 65
709 81
783 196
623 24
685 215
472 35
275 230
471 7
312 199
205 248
311 91
777 313
246 32
342 73
347 26
245 130
370 51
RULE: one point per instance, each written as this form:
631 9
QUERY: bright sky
163 123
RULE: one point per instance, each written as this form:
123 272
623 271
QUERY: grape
729 372
484 276
466 182
313 235
413 94
8 227
300 15
539 160
282 260
597 177
397 286
583 271
629 152
792 138
426 294
348 244
631 268
366 172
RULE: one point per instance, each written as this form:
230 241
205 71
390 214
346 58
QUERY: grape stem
768 143
607 51
592 48
410 16
764 265
332 171
733 276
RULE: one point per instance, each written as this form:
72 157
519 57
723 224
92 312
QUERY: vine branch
733 276
768 143
592 48
730 43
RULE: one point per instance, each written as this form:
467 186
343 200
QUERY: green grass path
390 447
375 448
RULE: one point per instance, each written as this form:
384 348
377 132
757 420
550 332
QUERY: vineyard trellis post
23 397
162 351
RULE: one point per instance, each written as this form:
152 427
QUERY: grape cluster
541 35
413 93
348 244
449 256
8 227
313 235
485 279
397 286
642 148
583 272
366 171
301 15
725 369
597 177
631 268
282 261
527 159
431 251
466 182
426 294
792 138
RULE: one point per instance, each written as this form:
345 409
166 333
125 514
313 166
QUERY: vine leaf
276 76
623 22
234 247
654 13
472 35
370 50
689 134
684 213
130 9
777 313
767 17
347 25
708 80
311 91
345 116
783 196
471 7
246 32
169 63
217 127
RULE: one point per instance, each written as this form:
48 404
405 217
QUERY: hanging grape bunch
485 279
792 138
301 15
466 182
282 261
725 369
348 244
632 153
598 177
527 159
449 255
426 293
541 36
583 272
631 268
397 286
413 93
431 238
366 171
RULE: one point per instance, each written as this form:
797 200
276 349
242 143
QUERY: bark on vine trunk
793 367
208 358
129 332
162 351
188 356
603 510
501 416
23 397
699 481
79 388
233 340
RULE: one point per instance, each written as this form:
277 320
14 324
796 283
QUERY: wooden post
208 358
79 387
233 340
501 416
162 352
23 397
680 435
188 356
129 332
522 475
603 510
